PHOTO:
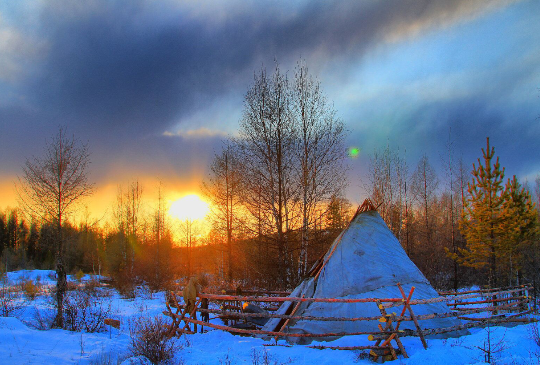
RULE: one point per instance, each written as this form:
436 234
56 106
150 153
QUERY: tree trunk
61 280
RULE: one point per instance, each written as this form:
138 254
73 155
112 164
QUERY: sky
154 87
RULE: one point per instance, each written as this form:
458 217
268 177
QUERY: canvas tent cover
365 261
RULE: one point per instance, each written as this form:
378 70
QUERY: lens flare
354 152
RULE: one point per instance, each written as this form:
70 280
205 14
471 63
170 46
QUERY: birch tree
266 144
50 187
319 153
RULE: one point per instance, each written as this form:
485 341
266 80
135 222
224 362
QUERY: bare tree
50 187
387 187
424 188
127 214
190 231
266 145
223 190
319 153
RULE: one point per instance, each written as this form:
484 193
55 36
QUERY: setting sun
189 207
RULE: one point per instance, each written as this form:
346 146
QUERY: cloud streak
127 75
139 67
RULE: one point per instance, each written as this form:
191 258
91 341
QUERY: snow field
22 344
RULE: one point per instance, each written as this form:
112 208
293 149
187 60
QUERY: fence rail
501 305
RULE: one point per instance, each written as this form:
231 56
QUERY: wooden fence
476 308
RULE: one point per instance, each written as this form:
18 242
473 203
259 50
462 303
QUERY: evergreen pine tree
519 227
482 216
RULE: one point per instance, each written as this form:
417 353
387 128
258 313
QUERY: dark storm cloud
465 123
121 68
119 74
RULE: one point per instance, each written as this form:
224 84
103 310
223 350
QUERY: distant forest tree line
277 203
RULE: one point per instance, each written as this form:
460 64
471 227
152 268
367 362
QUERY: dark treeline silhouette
419 207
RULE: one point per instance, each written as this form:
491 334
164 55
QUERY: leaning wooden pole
419 329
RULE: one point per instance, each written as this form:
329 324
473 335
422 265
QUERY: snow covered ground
21 343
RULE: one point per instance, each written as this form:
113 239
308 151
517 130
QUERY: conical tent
365 261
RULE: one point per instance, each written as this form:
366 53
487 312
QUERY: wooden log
405 306
487 319
259 292
485 301
293 312
322 347
231 307
193 314
492 308
397 303
112 322
392 351
476 291
419 329
280 334
377 337
174 326
347 319
438 331
286 316
390 327
293 299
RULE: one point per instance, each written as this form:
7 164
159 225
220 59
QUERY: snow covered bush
149 338
84 311
43 319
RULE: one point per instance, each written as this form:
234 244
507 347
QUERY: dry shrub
149 338
9 301
263 357
91 285
84 311
71 286
30 289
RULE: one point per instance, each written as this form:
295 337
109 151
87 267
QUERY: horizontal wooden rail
272 333
293 299
372 347
354 319
520 287
467 296
437 331
485 301
488 301
258 292
285 316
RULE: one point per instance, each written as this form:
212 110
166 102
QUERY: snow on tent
365 261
